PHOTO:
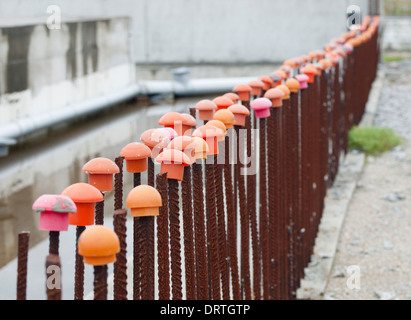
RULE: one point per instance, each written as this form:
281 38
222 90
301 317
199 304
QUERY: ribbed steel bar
163 236
22 258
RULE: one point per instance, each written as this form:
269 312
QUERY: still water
51 163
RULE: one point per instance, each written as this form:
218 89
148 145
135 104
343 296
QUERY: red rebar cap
232 96
267 81
223 102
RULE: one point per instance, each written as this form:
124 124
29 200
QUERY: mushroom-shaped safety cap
286 91
276 79
310 71
243 91
291 63
239 112
54 211
232 96
136 154
256 87
170 131
179 122
98 245
173 162
220 125
205 109
222 102
84 196
261 106
293 85
226 117
189 120
302 79
210 134
156 140
100 173
281 74
275 95
267 81
286 69
144 201
201 149
185 144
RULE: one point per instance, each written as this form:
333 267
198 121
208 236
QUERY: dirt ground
373 259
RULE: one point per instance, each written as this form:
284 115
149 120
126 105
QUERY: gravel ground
373 259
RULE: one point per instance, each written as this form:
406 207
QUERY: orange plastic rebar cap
267 81
185 144
222 102
293 85
232 96
256 87
226 117
83 193
286 91
144 201
100 166
173 156
281 74
170 118
98 245
100 171
243 91
135 151
201 149
220 125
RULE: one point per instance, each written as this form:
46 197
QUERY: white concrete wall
62 67
208 31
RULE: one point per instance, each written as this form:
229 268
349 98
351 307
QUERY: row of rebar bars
245 234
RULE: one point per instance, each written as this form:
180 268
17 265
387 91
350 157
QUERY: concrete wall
210 32
42 69
107 44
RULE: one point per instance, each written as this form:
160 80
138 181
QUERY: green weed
373 140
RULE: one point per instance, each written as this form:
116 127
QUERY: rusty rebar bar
231 220
188 226
163 256
22 258
174 216
274 201
222 236
244 213
202 272
138 237
212 230
120 266
53 275
99 212
79 269
54 241
118 184
146 244
263 204
100 282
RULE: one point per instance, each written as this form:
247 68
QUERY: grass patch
373 140
389 58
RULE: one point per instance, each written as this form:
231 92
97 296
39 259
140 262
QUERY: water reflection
50 164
